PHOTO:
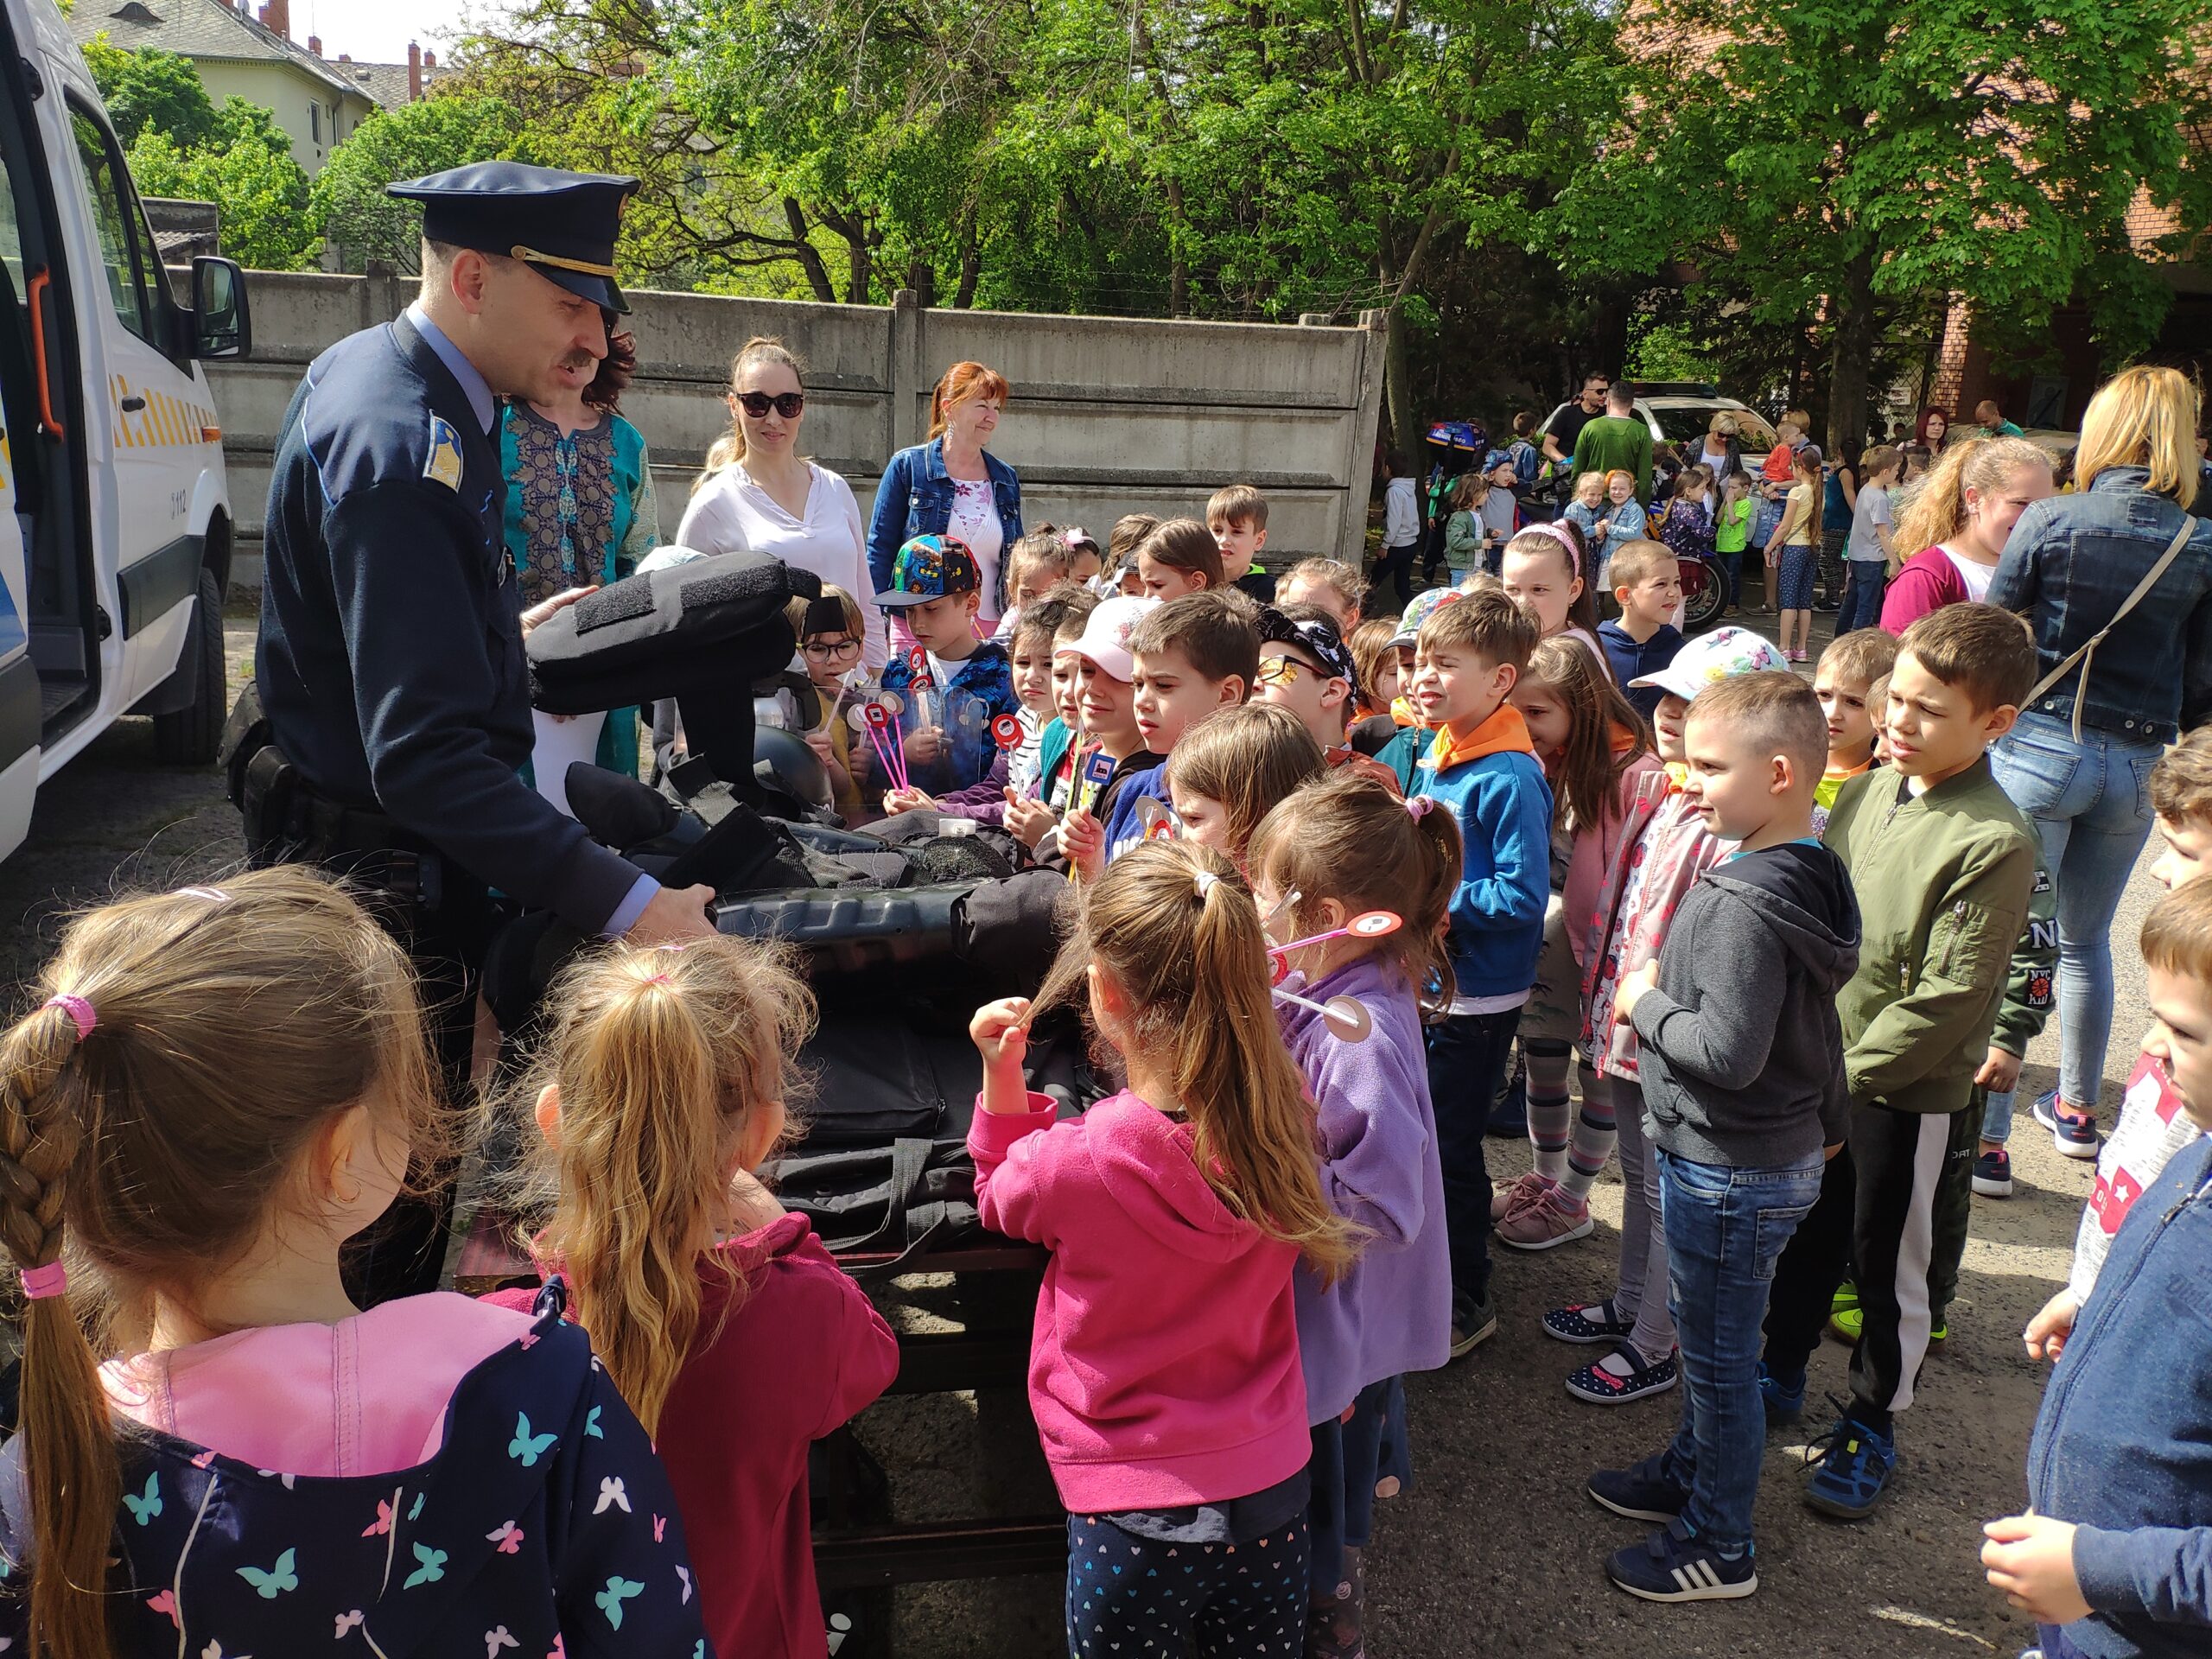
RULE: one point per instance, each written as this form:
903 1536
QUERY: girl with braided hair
219 1089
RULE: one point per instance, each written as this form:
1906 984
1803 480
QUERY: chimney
276 18
345 57
414 71
429 61
315 44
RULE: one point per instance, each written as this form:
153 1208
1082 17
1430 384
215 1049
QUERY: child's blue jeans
1726 1229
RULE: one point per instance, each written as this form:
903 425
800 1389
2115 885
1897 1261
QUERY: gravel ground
1496 1551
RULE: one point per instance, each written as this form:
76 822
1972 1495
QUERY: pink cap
1105 639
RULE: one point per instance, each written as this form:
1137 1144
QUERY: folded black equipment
707 624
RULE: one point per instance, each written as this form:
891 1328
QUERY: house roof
385 82
201 28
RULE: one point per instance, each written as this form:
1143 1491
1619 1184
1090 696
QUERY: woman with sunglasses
952 484
580 512
758 494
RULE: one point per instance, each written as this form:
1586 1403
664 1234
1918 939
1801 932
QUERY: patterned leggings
1141 1597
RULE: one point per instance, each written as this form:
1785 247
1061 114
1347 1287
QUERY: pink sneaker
1519 1195
1554 1218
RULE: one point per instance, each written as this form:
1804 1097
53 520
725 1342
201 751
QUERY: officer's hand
672 914
545 609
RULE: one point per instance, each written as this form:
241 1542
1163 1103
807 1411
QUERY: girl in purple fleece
1336 849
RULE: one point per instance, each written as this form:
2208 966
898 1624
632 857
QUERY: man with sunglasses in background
383 735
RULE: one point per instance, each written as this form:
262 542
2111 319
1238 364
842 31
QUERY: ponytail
1349 838
1174 928
72 1479
730 448
661 1058
192 1048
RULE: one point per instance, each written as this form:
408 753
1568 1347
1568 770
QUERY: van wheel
191 737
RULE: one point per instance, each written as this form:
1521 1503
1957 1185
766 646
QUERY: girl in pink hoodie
1596 755
1163 1370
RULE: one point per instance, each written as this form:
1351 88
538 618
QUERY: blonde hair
2143 416
2177 937
662 1055
1172 925
730 448
1937 511
2181 783
226 1029
1599 478
964 383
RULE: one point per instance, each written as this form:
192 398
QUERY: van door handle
133 403
41 281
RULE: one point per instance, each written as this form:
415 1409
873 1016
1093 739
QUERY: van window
112 210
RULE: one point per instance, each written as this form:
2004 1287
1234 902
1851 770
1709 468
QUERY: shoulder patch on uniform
444 464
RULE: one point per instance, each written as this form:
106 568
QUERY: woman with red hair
953 486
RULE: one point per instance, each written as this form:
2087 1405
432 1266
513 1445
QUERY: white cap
1106 635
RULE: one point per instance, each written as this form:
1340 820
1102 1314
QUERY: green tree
247 170
1833 170
349 201
149 90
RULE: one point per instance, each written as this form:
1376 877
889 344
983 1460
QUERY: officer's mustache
578 360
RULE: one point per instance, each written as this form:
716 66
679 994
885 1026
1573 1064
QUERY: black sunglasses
758 403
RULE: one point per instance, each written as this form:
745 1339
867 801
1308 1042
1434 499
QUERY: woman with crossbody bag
2115 582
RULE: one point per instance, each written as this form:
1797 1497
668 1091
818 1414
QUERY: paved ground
1495 1552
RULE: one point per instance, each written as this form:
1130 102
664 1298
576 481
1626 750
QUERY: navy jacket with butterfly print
542 1528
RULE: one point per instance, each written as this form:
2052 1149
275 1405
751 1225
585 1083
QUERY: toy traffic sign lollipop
876 720
1346 1018
1368 924
1006 731
1157 823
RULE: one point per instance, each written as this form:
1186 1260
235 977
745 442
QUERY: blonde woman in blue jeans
2079 761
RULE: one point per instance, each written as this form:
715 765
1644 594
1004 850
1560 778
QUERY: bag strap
2089 651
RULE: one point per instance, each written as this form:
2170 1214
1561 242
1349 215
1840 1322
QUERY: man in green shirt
1617 440
1993 422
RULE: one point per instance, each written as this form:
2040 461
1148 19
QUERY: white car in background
1681 411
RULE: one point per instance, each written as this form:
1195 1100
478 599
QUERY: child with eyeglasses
831 630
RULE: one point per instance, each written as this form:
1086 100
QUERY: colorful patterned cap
931 567
1423 607
1713 656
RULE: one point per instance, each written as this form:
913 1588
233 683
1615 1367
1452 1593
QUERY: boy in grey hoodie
1742 1066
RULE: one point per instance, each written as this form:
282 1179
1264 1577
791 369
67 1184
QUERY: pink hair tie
51 1279
78 1010
1419 806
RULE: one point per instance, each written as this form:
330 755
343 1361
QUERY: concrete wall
1109 416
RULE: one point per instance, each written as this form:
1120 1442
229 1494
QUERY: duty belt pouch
245 734
708 624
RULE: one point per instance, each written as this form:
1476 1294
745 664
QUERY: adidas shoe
1641 1492
1674 1564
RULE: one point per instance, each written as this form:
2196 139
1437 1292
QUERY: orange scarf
1504 733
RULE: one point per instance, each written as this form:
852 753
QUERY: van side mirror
221 326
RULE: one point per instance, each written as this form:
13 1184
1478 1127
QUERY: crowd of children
1327 875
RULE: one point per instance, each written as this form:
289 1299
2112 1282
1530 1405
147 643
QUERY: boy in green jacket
1944 865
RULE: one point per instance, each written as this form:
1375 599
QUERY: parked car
1681 411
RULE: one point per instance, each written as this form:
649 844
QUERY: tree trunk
1179 270
857 270
808 257
971 262
1397 386
1855 333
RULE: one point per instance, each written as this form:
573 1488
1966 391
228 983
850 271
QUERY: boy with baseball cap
952 684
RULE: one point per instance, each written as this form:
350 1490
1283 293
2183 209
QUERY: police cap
562 224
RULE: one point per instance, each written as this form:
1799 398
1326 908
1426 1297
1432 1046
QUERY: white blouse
731 513
974 520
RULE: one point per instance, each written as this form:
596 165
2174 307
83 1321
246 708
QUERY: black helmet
783 764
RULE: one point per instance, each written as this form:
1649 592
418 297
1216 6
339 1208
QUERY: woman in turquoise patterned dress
581 511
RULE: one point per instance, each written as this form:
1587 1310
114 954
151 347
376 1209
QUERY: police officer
391 667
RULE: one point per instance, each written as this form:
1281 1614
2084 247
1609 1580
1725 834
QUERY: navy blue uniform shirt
390 661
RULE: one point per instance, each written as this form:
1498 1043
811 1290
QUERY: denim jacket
2071 562
914 497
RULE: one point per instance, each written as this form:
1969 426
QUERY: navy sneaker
1509 1113
1784 1403
1851 1464
1993 1174
1641 1492
1674 1564
1623 1375
2074 1132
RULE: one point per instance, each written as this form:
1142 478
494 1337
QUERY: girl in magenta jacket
725 1323
1164 1369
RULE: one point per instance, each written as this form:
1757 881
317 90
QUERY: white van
114 514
